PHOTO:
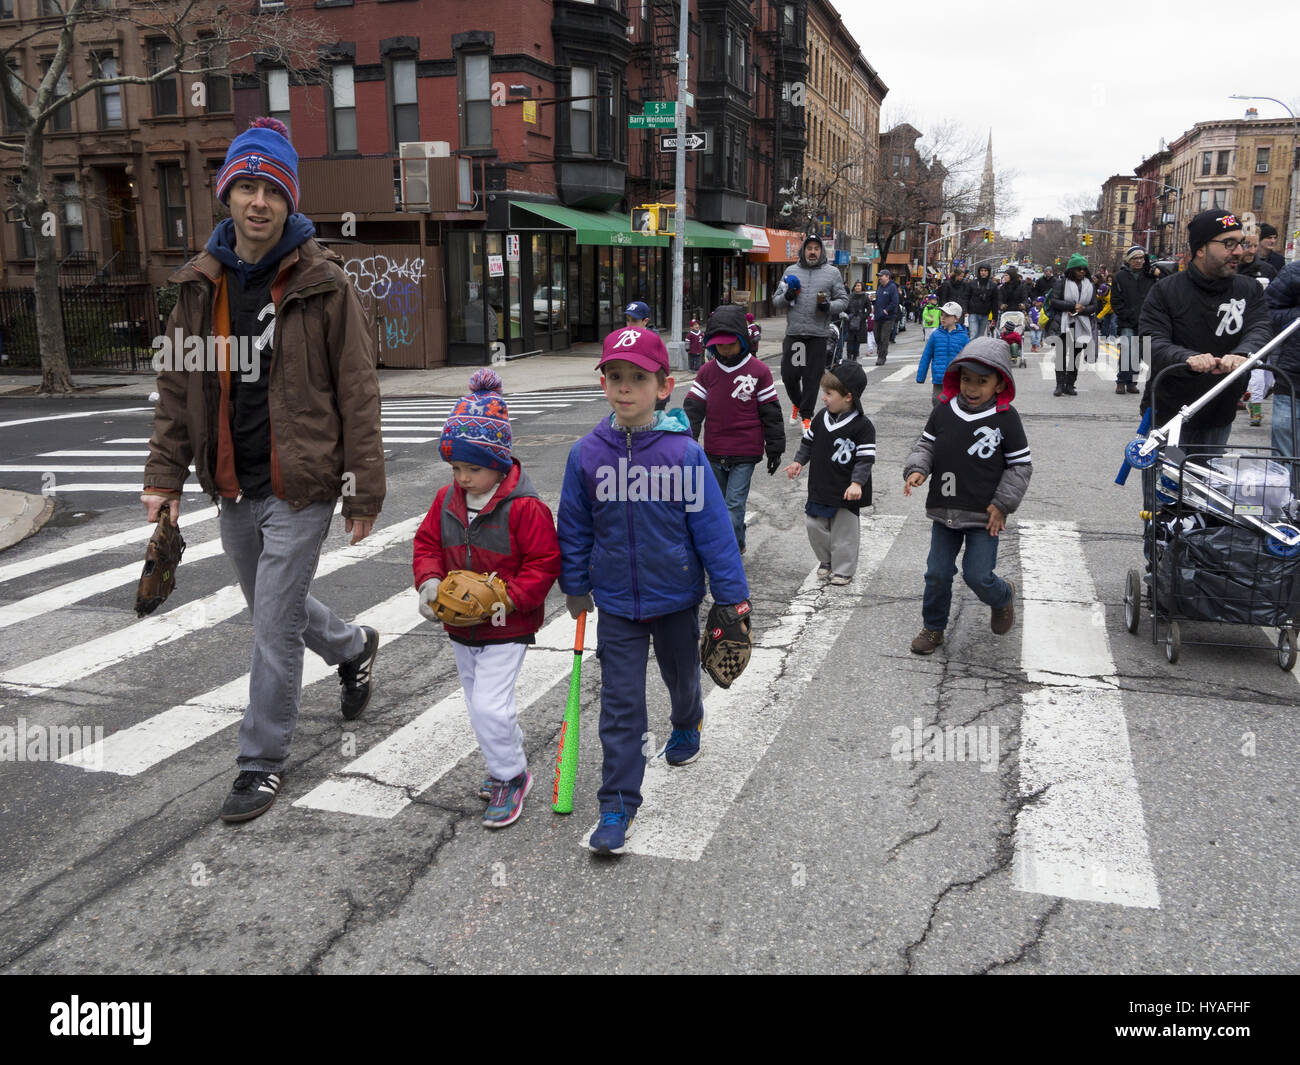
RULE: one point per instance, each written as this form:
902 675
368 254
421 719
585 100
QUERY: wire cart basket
1221 538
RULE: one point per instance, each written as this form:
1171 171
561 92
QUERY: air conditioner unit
413 159
1261 168
271 5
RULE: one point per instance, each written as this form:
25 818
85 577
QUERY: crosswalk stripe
73 469
82 414
94 454
109 486
681 810
75 591
907 373
384 780
143 746
1085 835
78 552
81 661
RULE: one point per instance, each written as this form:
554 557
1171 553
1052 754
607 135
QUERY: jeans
1130 357
274 550
623 650
976 569
733 478
979 324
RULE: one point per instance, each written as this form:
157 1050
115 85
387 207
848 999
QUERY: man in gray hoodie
814 294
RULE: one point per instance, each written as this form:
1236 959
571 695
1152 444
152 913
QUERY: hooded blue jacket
640 556
941 347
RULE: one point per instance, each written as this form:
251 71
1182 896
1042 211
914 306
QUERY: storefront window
559 284
464 279
495 245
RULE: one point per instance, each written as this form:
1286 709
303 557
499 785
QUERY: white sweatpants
835 541
488 675
1260 382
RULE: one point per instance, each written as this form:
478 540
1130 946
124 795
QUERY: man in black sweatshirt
983 301
1203 322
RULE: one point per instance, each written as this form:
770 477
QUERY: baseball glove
466 598
161 558
727 643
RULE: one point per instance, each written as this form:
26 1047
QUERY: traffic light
1085 241
653 218
988 236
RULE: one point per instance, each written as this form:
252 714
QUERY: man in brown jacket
267 384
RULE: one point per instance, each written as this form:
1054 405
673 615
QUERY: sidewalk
21 515
573 367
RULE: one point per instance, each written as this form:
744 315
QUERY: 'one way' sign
695 142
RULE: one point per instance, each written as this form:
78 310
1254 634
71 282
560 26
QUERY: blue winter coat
641 544
887 301
941 347
1283 297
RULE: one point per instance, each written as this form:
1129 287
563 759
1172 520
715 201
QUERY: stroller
1015 319
1221 532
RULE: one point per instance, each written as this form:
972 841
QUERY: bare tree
206 37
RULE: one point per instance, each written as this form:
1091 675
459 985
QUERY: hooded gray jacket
806 319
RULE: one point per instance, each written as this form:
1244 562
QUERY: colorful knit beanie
262 151
478 429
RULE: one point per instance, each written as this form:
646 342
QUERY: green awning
698 235
589 227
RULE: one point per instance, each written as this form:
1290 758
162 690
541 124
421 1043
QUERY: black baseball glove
161 558
727 643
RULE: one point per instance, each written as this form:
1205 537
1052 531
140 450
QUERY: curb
22 515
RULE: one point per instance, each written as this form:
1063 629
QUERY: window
70 217
12 119
907 165
165 99
1220 199
215 58
277 95
343 109
582 82
789 23
109 96
1207 161
1257 198
1123 195
736 43
171 191
402 92
26 241
1223 163
1205 200
62 119
6 8
1261 160
476 100
712 65
1123 218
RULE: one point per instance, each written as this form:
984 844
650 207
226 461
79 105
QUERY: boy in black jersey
975 446
840 442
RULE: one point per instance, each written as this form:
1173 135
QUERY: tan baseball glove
466 598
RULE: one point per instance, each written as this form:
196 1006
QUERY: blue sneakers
611 834
506 801
683 746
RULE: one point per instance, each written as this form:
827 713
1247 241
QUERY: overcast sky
1076 92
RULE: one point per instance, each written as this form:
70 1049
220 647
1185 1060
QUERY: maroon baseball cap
640 347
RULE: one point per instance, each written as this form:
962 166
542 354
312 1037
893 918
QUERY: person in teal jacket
944 345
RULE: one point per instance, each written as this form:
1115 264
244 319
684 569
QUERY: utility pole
677 349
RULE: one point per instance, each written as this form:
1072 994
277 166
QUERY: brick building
1116 221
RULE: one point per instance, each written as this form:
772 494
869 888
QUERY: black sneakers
355 676
253 794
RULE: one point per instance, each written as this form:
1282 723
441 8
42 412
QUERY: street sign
651 122
695 142
659 108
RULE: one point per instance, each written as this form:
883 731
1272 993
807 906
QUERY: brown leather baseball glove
161 558
467 598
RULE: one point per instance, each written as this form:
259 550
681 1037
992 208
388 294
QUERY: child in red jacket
490 519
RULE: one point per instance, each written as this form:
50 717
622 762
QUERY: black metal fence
106 327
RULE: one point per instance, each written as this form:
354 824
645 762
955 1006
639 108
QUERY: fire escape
783 35
656 55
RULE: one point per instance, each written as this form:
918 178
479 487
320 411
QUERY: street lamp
1291 223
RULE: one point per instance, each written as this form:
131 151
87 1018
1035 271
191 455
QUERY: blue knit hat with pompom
478 429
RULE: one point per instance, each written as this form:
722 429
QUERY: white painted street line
410 439
74 469
74 591
1085 836
907 373
77 552
84 659
83 414
383 781
94 454
111 486
129 440
681 809
142 746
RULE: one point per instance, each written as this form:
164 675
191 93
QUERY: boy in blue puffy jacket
944 345
641 521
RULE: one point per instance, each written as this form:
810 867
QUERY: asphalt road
1127 815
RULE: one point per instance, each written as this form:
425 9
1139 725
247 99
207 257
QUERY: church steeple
986 205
